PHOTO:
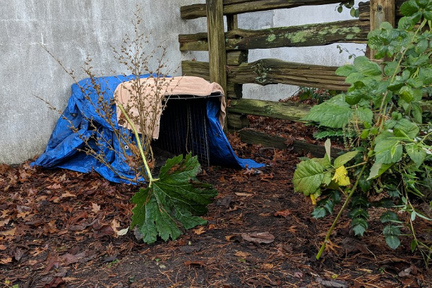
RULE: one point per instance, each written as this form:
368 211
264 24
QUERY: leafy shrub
171 202
391 157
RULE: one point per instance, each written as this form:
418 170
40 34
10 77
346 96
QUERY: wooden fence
228 51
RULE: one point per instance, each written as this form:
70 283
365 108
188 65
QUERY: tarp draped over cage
65 146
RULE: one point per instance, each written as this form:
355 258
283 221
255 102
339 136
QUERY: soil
59 228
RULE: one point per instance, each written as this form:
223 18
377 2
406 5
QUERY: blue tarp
64 148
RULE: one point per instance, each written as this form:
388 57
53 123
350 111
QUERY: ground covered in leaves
60 228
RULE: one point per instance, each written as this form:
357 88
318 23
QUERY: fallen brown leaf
10 232
242 254
5 260
199 230
67 194
267 266
55 186
283 213
258 237
95 208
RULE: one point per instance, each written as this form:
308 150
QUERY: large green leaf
404 128
378 169
172 203
334 113
364 114
345 70
388 148
408 8
344 158
367 67
308 177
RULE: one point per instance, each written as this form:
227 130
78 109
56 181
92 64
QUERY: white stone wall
71 30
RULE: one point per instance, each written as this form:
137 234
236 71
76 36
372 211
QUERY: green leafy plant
391 157
171 202
310 94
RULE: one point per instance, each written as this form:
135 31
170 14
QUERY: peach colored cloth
153 90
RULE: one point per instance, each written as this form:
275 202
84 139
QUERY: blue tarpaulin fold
65 146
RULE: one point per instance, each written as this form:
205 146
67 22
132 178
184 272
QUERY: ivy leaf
319 212
359 226
392 241
389 216
392 234
172 203
308 177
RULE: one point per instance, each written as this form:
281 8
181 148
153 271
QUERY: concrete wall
75 29
71 30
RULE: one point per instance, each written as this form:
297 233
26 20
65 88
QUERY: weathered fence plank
237 57
354 31
242 6
273 71
279 110
196 68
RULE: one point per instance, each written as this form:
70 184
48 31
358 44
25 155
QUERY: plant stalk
345 204
151 179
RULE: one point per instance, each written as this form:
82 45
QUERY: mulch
60 228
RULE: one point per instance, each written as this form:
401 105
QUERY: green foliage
325 206
392 153
350 5
172 203
308 94
312 174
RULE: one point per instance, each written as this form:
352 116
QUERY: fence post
235 91
381 11
216 42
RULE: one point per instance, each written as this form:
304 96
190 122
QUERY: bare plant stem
345 204
151 179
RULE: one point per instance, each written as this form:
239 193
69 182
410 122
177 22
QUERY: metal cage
183 127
